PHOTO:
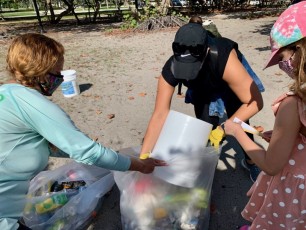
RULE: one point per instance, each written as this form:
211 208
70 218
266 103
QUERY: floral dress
279 202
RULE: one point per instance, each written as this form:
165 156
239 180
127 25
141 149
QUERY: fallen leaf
98 111
86 95
142 94
131 98
110 116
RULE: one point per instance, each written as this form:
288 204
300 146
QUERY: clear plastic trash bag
66 197
148 202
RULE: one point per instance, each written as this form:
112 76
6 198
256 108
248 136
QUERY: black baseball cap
185 65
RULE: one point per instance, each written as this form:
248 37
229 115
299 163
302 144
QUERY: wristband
144 156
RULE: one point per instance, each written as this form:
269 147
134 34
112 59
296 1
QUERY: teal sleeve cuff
113 161
124 162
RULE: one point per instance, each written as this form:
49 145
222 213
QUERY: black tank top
210 79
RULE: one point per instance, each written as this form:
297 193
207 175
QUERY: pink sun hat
290 27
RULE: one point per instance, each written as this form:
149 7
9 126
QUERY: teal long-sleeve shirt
28 122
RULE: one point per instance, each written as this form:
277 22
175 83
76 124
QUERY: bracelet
144 156
222 125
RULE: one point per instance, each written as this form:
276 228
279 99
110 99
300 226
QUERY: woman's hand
145 166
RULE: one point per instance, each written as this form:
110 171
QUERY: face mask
52 84
287 67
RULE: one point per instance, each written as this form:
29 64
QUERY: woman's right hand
145 166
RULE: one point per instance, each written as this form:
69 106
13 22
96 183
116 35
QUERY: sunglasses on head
196 51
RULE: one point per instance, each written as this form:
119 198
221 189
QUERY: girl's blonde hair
31 56
299 85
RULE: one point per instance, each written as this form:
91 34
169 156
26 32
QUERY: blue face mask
53 82
287 67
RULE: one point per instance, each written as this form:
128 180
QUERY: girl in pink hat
278 197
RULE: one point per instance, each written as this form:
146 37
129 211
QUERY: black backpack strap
179 89
213 52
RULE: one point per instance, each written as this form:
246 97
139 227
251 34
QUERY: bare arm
161 110
244 87
285 131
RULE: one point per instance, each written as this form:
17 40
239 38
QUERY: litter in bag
148 202
67 197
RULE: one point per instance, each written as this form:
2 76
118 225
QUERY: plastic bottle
70 86
51 203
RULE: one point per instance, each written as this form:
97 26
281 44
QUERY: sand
118 72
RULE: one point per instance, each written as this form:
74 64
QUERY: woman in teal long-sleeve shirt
30 123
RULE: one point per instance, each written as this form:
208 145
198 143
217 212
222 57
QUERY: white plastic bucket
182 140
70 86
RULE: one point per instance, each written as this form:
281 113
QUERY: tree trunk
52 15
38 16
97 9
70 9
163 9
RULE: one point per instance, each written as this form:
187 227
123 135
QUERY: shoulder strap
213 51
179 89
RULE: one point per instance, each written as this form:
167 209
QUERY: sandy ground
117 74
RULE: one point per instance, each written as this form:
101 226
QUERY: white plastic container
70 86
182 143
181 133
